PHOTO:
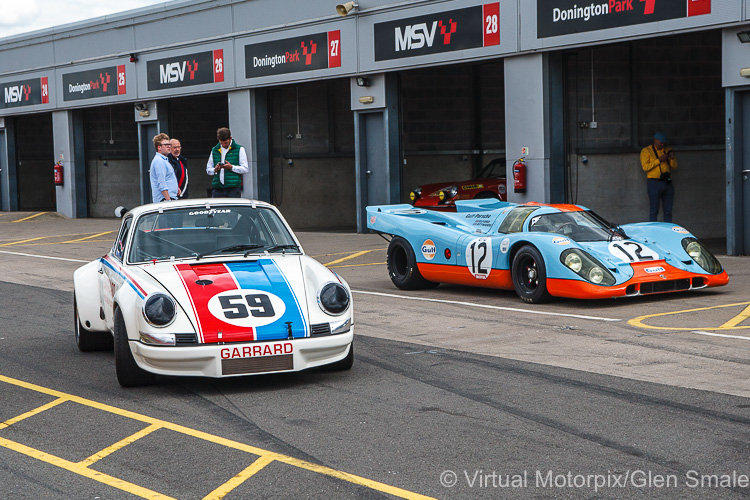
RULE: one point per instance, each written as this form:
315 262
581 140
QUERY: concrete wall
614 186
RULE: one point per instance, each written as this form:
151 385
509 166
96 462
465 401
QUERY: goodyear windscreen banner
563 17
184 71
461 29
101 82
25 93
306 53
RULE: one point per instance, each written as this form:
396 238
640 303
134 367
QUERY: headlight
416 194
573 261
596 275
586 267
159 310
333 299
448 193
701 255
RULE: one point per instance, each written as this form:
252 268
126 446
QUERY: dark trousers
229 192
660 192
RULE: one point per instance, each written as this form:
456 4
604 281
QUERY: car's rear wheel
402 266
344 364
89 341
530 275
129 374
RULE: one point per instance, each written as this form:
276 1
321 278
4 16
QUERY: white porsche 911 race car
211 287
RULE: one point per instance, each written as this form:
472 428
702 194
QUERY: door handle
368 172
101 271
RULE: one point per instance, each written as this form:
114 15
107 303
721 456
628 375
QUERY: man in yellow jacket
658 161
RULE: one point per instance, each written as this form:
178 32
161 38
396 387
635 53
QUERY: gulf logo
429 250
561 241
654 269
681 230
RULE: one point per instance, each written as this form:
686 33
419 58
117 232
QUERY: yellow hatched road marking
732 324
737 319
360 265
240 478
22 241
82 470
119 445
31 413
269 456
25 218
352 256
88 237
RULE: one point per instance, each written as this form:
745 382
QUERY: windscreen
578 226
199 232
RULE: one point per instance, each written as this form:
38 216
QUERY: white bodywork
221 345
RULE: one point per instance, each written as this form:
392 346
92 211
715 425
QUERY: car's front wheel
129 374
402 266
530 275
89 341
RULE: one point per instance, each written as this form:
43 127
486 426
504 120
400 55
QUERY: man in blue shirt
163 180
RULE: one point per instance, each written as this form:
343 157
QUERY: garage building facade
339 112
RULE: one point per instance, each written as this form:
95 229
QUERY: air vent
320 329
185 339
665 286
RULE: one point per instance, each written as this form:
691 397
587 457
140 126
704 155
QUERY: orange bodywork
575 289
460 275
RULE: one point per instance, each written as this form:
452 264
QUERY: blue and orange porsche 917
541 251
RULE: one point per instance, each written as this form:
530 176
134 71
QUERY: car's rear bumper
243 358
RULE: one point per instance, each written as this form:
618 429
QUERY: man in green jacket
227 163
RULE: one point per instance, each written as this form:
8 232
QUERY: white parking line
485 306
710 334
44 256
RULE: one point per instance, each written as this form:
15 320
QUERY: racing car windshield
578 226
195 232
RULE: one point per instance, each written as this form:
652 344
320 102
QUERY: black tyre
402 266
530 276
89 341
344 364
129 374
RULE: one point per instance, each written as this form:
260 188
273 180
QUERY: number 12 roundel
479 257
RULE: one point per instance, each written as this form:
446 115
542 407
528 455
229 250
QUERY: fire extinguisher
519 176
58 174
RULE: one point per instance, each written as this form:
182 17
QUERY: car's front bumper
670 280
243 358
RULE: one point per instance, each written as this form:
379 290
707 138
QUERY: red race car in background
489 183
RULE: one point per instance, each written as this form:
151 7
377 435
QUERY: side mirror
120 211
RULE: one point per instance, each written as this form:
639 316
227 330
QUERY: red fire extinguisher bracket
58 174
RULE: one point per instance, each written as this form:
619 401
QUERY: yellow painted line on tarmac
266 456
732 324
24 219
240 478
119 445
352 256
82 470
360 265
87 237
22 241
31 413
